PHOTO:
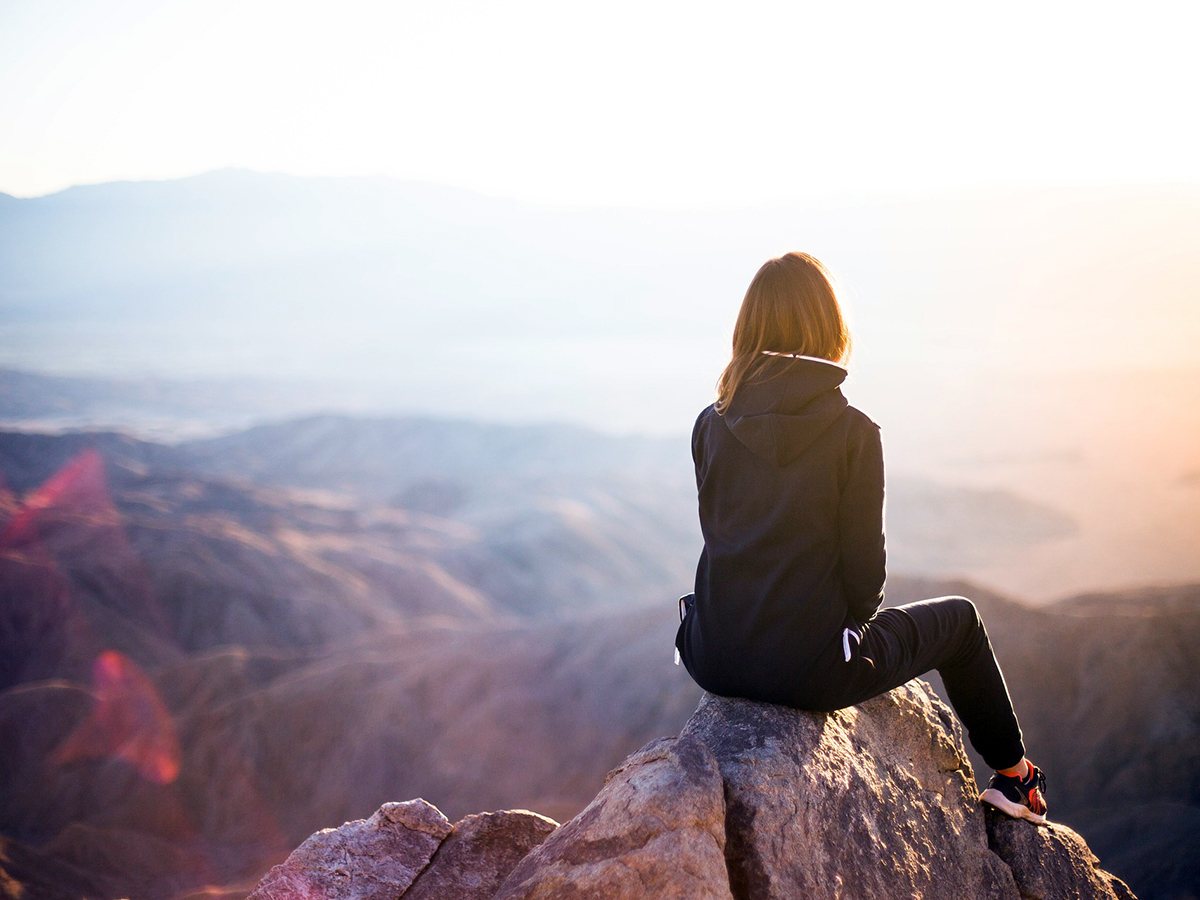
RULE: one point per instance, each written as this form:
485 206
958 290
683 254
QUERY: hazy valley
202 667
320 493
1035 342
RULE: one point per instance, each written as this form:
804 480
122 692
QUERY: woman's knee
964 613
967 607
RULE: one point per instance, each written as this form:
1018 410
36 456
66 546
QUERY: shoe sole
993 797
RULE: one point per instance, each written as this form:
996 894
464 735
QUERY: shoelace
1040 777
1035 784
1035 775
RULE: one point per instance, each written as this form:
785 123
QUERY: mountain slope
200 672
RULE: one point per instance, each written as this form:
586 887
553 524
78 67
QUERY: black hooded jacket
790 483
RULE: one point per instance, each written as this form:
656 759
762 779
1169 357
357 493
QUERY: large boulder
874 801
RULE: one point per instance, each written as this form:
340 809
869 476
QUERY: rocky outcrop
875 802
410 850
369 859
1050 862
657 829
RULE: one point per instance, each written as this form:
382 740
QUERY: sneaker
1021 798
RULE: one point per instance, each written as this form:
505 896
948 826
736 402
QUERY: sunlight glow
631 103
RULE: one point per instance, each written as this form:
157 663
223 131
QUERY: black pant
904 642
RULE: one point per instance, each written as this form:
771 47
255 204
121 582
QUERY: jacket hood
788 405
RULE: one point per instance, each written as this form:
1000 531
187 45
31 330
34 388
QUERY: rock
751 801
1051 862
656 829
410 850
875 801
478 855
367 859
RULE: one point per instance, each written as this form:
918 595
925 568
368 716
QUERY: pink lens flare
129 721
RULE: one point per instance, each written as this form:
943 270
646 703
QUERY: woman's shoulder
860 418
701 421
860 425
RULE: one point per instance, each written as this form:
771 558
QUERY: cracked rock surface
368 859
478 854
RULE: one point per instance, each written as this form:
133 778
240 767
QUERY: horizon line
823 195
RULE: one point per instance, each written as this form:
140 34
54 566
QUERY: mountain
201 670
562 517
443 256
436 299
559 518
557 492
121 547
1037 342
159 409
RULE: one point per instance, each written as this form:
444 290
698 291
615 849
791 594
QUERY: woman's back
790 485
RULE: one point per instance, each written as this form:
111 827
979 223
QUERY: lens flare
129 721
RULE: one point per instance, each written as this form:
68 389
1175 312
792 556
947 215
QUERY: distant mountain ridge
376 454
372 280
562 520
163 409
539 493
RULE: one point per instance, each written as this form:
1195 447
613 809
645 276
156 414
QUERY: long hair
790 307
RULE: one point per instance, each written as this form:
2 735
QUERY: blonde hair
790 307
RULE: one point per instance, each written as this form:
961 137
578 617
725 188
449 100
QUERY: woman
790 581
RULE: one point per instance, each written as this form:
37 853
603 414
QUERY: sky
645 103
668 105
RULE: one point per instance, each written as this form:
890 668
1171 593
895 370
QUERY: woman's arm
699 457
860 524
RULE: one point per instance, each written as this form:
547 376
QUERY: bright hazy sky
643 103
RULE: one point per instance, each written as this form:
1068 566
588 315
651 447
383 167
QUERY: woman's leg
945 634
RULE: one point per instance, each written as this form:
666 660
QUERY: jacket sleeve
860 524
698 452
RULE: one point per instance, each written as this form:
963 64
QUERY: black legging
904 642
